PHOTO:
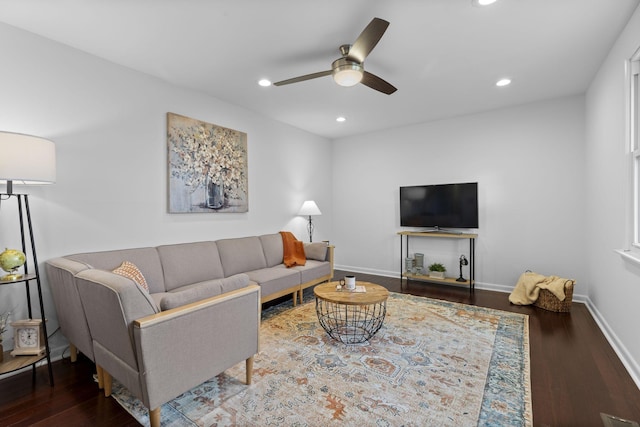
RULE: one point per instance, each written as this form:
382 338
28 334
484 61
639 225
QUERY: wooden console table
404 238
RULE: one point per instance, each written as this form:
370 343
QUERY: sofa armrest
198 340
71 319
330 250
164 316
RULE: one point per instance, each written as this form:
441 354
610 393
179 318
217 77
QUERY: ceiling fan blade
367 40
375 82
303 78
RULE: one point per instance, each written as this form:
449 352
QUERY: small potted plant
436 270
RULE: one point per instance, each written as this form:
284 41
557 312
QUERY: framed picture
207 167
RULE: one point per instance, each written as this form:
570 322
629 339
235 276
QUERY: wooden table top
374 294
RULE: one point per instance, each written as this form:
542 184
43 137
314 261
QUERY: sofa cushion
130 271
275 279
199 291
272 248
188 263
146 259
317 251
241 255
312 270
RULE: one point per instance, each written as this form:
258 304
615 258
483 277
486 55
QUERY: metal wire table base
351 324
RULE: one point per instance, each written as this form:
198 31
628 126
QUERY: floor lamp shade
26 159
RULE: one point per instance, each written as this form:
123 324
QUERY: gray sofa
200 297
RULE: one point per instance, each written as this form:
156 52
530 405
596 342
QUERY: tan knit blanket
529 285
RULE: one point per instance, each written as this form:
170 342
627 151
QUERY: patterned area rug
432 363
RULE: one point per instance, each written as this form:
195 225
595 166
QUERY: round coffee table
351 317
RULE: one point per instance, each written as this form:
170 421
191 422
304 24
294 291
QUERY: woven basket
548 301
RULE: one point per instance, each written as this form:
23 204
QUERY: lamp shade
309 208
27 159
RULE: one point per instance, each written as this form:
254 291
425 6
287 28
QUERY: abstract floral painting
207 167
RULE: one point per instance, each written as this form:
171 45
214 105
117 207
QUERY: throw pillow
131 271
317 251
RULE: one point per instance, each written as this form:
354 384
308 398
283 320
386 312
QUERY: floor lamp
309 208
26 159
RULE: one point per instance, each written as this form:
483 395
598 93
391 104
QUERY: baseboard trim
384 273
479 285
623 354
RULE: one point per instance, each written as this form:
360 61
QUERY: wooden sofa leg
301 291
107 383
100 373
154 417
249 368
73 353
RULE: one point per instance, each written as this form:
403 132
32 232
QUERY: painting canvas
207 167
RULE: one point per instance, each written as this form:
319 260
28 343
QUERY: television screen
439 206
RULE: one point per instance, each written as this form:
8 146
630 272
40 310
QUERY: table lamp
463 261
309 208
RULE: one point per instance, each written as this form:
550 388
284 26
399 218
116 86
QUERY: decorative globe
10 261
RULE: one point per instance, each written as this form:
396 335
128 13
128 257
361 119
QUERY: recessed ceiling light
264 83
341 119
482 2
503 82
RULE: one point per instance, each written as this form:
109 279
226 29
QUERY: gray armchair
160 355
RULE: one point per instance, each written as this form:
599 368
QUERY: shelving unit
13 363
404 247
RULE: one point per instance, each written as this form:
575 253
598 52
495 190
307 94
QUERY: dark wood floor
575 374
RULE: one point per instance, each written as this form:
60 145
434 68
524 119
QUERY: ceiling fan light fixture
347 77
347 73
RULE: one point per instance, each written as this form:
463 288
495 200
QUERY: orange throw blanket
293 250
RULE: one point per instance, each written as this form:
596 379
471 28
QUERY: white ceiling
444 56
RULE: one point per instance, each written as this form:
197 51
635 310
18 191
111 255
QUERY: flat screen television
439 206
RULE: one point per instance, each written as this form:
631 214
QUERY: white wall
109 126
615 284
529 165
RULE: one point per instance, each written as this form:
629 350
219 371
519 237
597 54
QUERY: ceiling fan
349 70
